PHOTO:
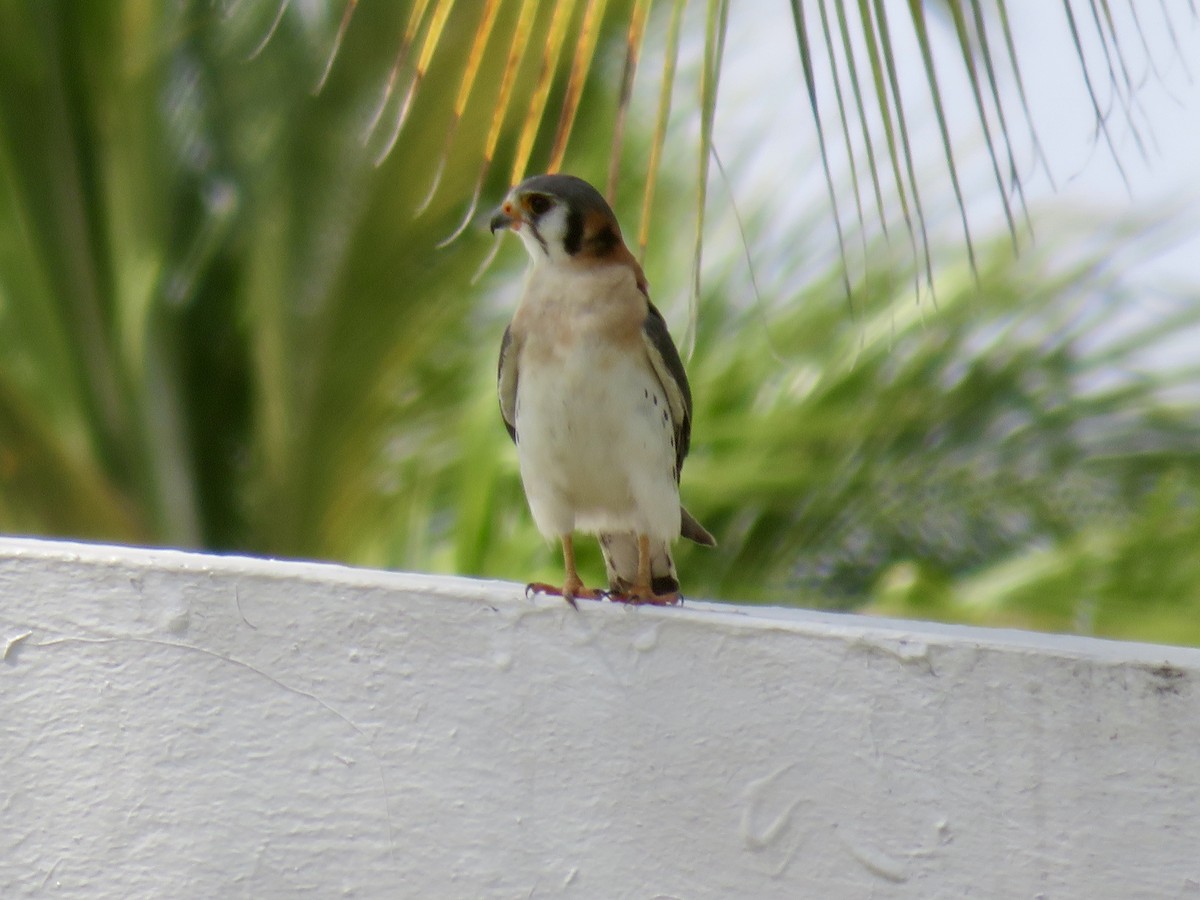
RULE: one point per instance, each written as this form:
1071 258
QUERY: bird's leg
641 583
641 591
572 584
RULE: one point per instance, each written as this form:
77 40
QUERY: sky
768 138
1166 180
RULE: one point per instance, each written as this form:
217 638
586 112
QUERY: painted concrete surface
179 725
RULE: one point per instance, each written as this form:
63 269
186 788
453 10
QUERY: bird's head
560 218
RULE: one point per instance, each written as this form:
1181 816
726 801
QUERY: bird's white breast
595 438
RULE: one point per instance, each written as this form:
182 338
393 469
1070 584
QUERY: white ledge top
491 591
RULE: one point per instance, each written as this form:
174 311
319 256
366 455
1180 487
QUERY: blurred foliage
1003 457
223 326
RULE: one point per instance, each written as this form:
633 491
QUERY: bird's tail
621 557
694 531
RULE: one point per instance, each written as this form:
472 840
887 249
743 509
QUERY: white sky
761 51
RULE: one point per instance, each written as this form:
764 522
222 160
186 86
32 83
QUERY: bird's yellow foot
569 592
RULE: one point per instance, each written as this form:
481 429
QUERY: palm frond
666 91
1015 182
867 44
964 41
633 53
433 37
508 81
810 84
585 47
541 92
710 73
474 61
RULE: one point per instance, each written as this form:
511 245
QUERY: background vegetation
225 322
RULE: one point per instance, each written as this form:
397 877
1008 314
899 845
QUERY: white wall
178 725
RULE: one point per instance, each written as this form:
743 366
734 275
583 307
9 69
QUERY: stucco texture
180 725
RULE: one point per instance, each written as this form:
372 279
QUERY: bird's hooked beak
506 217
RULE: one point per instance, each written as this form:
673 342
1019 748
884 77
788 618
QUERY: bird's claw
580 593
629 598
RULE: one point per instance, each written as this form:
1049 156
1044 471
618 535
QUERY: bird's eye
539 204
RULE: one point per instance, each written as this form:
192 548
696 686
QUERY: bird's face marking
549 226
560 218
540 219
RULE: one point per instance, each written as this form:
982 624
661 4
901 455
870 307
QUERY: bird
594 394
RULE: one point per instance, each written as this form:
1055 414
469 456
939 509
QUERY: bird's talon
568 592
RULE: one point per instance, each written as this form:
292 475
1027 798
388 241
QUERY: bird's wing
506 383
669 368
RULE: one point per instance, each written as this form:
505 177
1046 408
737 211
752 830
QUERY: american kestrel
593 393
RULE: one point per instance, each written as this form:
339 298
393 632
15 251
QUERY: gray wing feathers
506 383
669 369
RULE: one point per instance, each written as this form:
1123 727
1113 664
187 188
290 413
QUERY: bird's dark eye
539 204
